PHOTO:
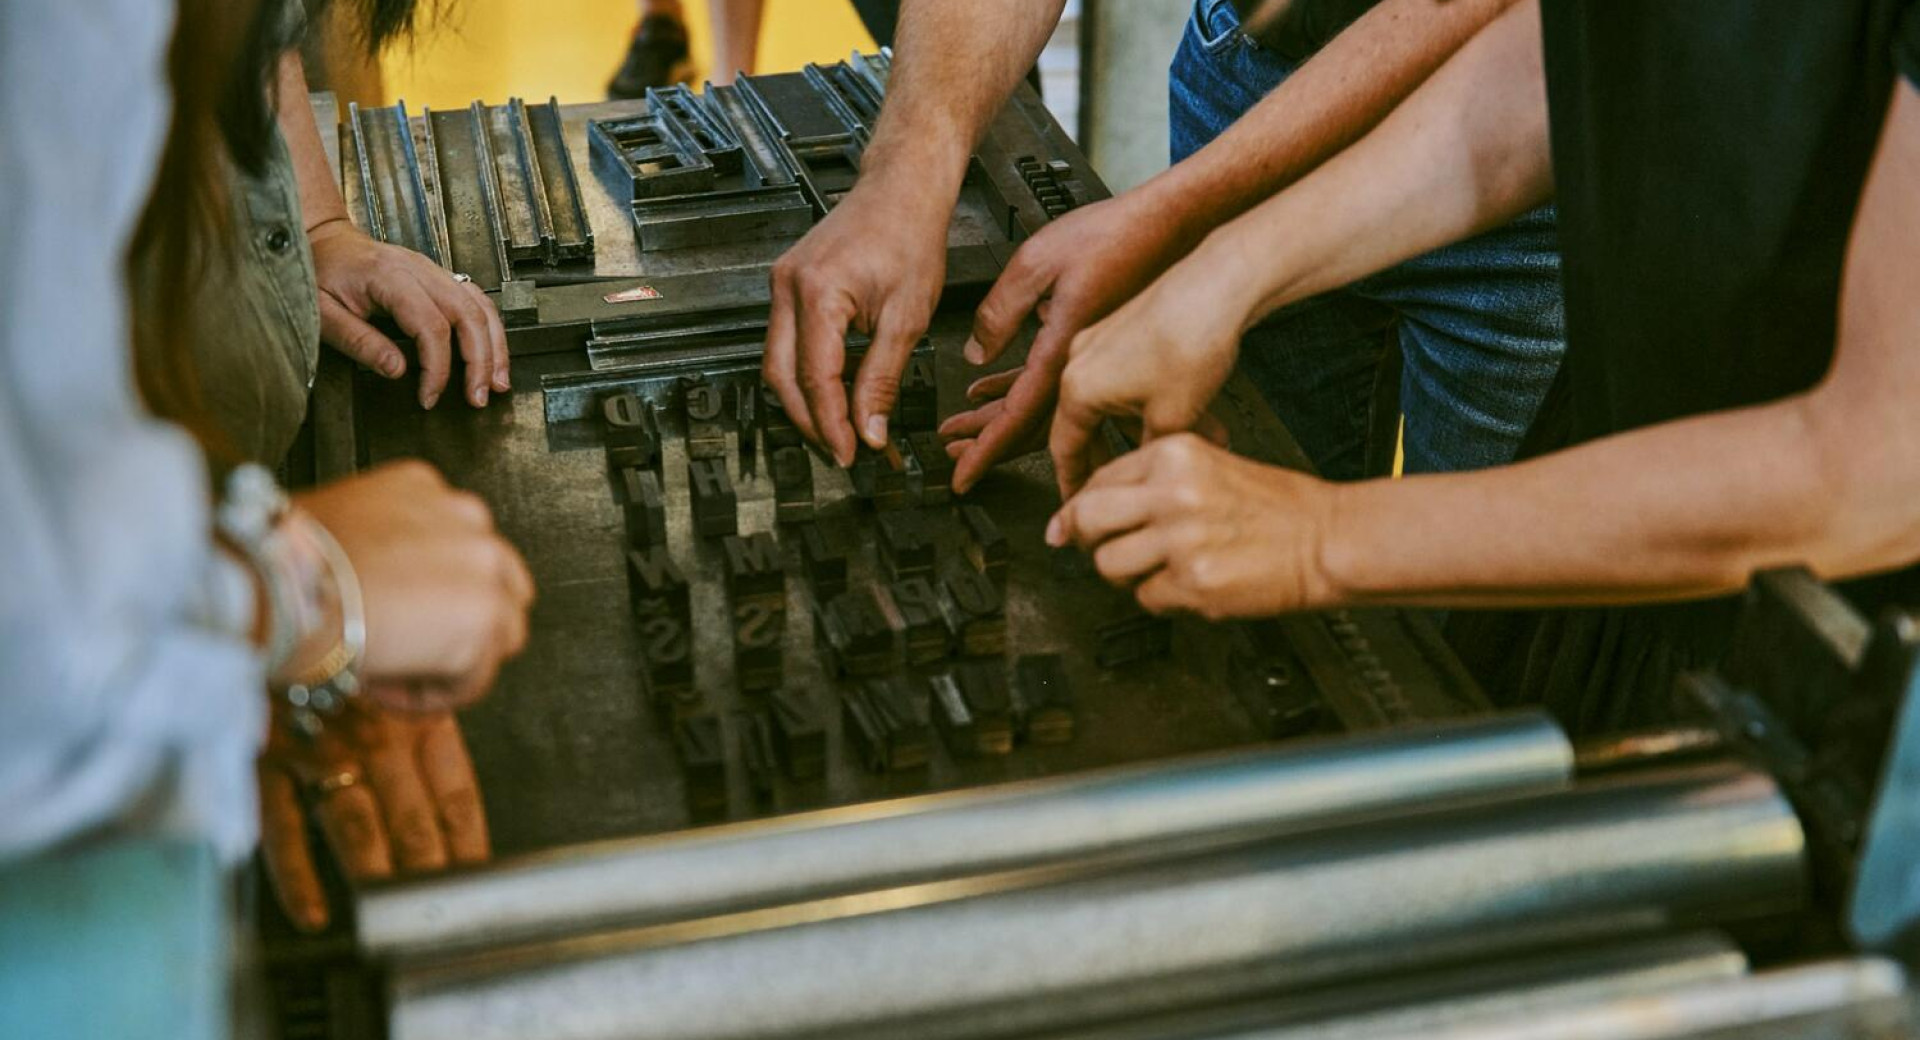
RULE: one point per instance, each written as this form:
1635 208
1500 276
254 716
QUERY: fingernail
974 352
480 396
393 367
877 431
1056 532
430 400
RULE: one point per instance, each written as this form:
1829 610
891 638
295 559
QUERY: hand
1195 529
1161 360
990 394
446 597
391 793
359 277
1074 272
876 264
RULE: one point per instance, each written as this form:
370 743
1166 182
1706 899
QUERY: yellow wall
491 49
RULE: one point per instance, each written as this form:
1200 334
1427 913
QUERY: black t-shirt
1708 158
1298 28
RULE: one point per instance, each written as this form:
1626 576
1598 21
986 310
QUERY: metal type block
399 209
1042 702
781 432
799 734
887 724
645 508
906 544
951 716
703 764
759 644
631 422
519 303
666 651
704 401
755 569
706 440
526 219
746 420
983 688
927 636
1272 684
715 509
714 218
862 632
623 457
986 547
459 161
1139 637
918 409
754 732
656 586
936 468
824 562
566 206
975 611
792 486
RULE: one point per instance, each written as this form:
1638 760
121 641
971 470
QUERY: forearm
320 200
1468 150
1325 106
954 67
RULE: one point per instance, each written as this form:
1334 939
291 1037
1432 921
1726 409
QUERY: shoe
656 57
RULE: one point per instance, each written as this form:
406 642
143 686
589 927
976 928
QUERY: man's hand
360 277
1195 529
446 597
875 265
392 793
1071 274
1160 360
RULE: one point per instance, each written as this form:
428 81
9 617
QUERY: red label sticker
633 295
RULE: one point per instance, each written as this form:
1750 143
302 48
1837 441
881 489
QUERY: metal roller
1028 949
1164 807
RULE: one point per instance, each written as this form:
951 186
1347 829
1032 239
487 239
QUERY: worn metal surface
393 191
1156 810
1021 950
1536 983
462 164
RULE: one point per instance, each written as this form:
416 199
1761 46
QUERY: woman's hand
359 277
392 793
1161 360
446 597
1194 529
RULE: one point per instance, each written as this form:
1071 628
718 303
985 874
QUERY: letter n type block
644 506
656 586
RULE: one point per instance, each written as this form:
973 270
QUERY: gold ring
337 782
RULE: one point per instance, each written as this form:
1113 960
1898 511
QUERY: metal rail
1027 948
1165 807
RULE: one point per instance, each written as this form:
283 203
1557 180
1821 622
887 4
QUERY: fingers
823 358
469 319
414 309
778 365
496 335
1097 514
1025 409
289 858
968 424
877 385
1013 296
1073 427
353 336
449 773
989 387
412 822
350 818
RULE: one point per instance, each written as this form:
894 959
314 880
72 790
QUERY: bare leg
736 36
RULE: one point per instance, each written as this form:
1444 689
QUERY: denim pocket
1216 25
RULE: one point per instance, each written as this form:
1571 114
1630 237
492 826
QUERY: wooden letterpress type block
936 468
951 716
715 510
919 407
655 584
897 477
983 685
906 543
975 611
626 422
759 644
792 486
862 636
986 547
746 416
704 401
703 764
887 724
755 568
1135 638
644 508
927 635
864 474
666 648
823 561
755 736
780 431
706 440
799 734
1043 704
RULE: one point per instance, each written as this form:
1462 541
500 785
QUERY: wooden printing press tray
583 737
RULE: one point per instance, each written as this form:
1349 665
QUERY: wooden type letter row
975 611
861 632
887 724
658 594
644 507
715 509
706 437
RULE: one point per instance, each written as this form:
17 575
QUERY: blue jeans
1478 323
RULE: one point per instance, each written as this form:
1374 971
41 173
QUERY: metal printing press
797 752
